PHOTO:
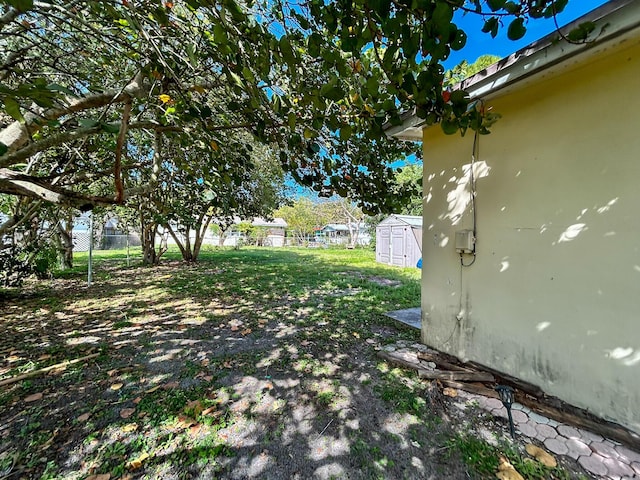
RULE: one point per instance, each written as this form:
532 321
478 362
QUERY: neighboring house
399 240
553 294
273 231
340 233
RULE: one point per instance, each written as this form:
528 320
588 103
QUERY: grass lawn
252 363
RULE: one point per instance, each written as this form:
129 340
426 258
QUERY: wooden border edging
454 371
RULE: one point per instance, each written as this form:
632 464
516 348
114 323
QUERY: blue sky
479 43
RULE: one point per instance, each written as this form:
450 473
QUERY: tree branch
15 183
117 168
16 134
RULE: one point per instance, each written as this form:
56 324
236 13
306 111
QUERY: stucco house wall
554 294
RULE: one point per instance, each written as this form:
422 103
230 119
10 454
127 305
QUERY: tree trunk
201 233
223 231
148 239
148 246
184 246
65 237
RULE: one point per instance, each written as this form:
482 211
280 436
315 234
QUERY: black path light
506 397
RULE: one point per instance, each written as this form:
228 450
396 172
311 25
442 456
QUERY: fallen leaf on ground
235 328
127 412
137 400
130 427
450 392
541 455
151 390
100 476
117 386
193 431
208 411
246 331
185 422
205 362
84 417
113 372
34 397
137 462
506 471
170 385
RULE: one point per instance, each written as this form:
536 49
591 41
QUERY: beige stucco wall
554 294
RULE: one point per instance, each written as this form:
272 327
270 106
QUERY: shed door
409 248
398 246
383 244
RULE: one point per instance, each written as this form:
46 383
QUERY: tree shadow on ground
242 366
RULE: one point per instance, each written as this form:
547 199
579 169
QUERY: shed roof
411 220
616 21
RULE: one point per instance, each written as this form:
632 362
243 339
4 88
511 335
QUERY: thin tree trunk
65 237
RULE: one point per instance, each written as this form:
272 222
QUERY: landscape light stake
506 397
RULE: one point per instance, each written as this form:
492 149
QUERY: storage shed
399 240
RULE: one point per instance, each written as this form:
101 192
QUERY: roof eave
616 20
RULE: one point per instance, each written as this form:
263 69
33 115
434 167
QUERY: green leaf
345 132
449 127
291 119
236 79
219 34
496 5
332 92
110 127
442 15
512 7
516 29
459 41
381 7
3 149
313 44
12 107
491 26
54 87
286 51
88 122
555 8
21 5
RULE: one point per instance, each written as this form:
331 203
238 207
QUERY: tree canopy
97 95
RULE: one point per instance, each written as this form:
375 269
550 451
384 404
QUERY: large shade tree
318 79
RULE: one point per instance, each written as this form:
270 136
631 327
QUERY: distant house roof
276 222
616 21
338 227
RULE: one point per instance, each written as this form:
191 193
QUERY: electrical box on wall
465 241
